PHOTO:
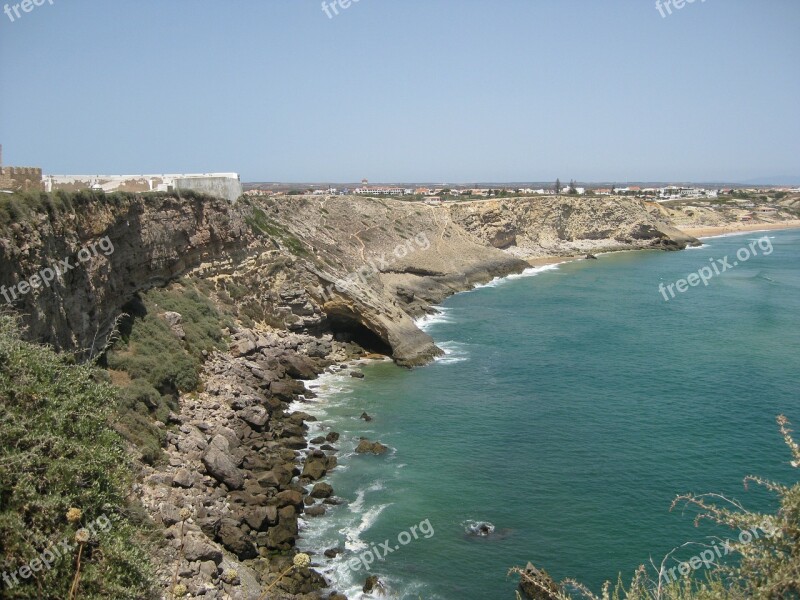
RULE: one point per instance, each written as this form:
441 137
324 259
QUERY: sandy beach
700 232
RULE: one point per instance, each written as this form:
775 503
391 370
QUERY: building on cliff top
227 186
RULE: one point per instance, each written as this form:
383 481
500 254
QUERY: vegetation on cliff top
767 554
23 207
58 452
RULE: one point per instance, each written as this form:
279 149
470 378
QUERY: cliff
350 265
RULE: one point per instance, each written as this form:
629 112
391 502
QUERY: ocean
574 403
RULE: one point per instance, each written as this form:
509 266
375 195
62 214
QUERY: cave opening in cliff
347 329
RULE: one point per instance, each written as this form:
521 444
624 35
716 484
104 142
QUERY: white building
380 191
221 185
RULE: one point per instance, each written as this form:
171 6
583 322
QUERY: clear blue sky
405 90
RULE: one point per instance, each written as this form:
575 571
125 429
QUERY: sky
404 90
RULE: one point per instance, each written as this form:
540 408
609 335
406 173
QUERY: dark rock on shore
372 584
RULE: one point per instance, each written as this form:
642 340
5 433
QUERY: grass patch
261 224
157 364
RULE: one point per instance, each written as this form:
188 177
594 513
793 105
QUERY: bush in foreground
64 481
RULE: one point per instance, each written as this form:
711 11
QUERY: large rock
285 531
289 498
321 490
261 517
286 389
255 416
235 540
367 447
275 478
222 468
299 367
315 467
197 547
183 478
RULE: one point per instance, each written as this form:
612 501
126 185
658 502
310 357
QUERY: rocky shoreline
240 461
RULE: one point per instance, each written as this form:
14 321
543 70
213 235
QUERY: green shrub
58 451
158 363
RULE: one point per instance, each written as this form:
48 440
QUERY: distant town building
380 191
672 192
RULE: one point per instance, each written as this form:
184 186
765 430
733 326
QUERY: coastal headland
285 289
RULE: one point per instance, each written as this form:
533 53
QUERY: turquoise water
574 404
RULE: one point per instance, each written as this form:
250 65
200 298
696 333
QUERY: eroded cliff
360 266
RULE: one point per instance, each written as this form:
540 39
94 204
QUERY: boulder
275 478
221 467
183 478
197 547
315 467
286 389
321 490
289 498
298 366
261 517
243 348
372 584
255 416
235 540
367 447
283 533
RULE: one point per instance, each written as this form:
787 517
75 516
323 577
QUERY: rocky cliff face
563 226
356 266
102 254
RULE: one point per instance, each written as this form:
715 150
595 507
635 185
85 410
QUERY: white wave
491 284
734 234
440 316
454 352
529 272
700 247
478 528
352 534
532 271
356 505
